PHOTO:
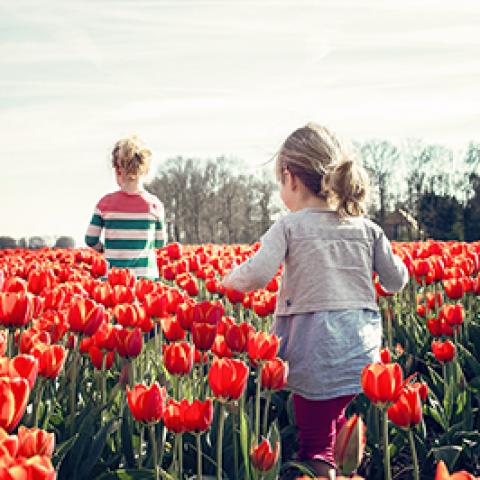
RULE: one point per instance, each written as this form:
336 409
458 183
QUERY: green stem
38 401
10 340
235 444
104 379
257 403
445 377
154 451
131 373
73 384
221 420
199 456
155 334
180 456
416 473
140 443
386 454
265 413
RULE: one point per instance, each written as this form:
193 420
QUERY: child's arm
94 230
258 270
160 230
392 272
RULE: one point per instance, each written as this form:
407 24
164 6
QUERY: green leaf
62 449
449 454
245 441
133 474
126 433
96 448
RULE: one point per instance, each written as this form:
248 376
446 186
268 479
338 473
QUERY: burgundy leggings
318 422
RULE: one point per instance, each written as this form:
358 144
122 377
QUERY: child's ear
293 181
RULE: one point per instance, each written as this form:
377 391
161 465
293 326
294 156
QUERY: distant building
399 225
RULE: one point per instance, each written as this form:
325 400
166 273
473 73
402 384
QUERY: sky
210 78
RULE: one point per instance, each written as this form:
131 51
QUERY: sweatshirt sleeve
94 230
392 272
258 270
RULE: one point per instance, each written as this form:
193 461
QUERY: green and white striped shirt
133 225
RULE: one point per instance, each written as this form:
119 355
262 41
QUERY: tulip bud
385 355
263 457
350 445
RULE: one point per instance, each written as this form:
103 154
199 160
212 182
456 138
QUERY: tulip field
104 376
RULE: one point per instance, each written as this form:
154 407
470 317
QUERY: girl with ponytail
327 315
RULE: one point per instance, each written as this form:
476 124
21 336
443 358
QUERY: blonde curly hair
131 156
315 155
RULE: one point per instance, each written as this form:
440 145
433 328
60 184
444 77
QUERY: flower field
109 377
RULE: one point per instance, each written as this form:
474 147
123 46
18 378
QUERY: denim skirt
326 351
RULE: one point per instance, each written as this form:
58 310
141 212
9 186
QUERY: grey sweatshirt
328 262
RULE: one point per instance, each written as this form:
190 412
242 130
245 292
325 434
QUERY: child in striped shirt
131 218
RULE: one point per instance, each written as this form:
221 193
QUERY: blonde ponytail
348 181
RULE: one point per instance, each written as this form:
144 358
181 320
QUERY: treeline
213 201
219 201
36 242
437 186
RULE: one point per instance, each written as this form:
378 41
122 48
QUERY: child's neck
130 187
312 202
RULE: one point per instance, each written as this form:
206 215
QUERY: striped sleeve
160 233
92 237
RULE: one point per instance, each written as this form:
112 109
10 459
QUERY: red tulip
40 280
385 355
444 352
128 342
454 288
35 468
174 251
14 393
228 378
178 358
173 417
203 335
32 337
96 356
453 314
16 309
172 329
234 295
220 348
8 446
147 404
198 416
274 374
407 410
34 441
99 267
382 383
21 366
236 336
121 276
208 312
350 445
263 457
50 359
132 315
439 326
85 316
262 346
185 314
